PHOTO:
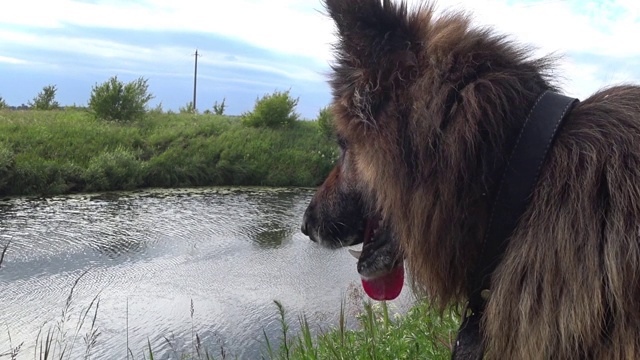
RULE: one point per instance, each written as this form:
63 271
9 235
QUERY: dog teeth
355 253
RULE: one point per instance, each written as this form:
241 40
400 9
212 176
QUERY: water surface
166 265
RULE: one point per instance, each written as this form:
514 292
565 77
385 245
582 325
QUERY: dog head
375 58
341 214
424 109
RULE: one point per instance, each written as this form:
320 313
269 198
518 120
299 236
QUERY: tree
275 110
45 100
116 101
3 104
218 109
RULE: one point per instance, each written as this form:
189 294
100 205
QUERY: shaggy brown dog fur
426 112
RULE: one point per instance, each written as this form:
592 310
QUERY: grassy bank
54 152
421 333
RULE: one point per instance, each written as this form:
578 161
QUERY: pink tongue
385 287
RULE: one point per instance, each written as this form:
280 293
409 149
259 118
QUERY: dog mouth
380 263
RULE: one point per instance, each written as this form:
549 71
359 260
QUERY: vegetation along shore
112 145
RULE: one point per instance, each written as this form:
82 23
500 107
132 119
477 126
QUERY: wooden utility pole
195 81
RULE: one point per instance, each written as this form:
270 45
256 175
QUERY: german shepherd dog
426 110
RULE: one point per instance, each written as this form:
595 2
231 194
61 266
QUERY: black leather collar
513 195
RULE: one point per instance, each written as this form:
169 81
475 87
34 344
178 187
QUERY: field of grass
55 152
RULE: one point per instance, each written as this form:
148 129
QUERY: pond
165 265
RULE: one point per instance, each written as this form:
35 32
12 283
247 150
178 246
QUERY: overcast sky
253 47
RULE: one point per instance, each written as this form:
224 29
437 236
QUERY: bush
325 122
273 111
113 100
45 100
3 104
114 170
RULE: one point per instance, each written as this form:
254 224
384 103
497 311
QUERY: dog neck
516 185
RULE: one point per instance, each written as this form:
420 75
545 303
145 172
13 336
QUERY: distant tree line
114 100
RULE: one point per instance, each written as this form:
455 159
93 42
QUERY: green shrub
273 111
46 99
3 104
325 122
113 100
114 170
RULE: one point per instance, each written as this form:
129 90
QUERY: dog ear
377 51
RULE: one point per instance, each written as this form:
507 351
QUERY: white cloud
582 32
289 70
138 56
606 28
11 60
287 26
76 45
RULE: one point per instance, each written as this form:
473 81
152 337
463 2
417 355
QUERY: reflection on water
272 225
149 254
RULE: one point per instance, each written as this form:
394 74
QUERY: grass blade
4 251
150 351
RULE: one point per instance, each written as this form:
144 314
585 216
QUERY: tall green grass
421 333
54 152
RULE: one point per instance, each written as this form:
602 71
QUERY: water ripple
230 251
